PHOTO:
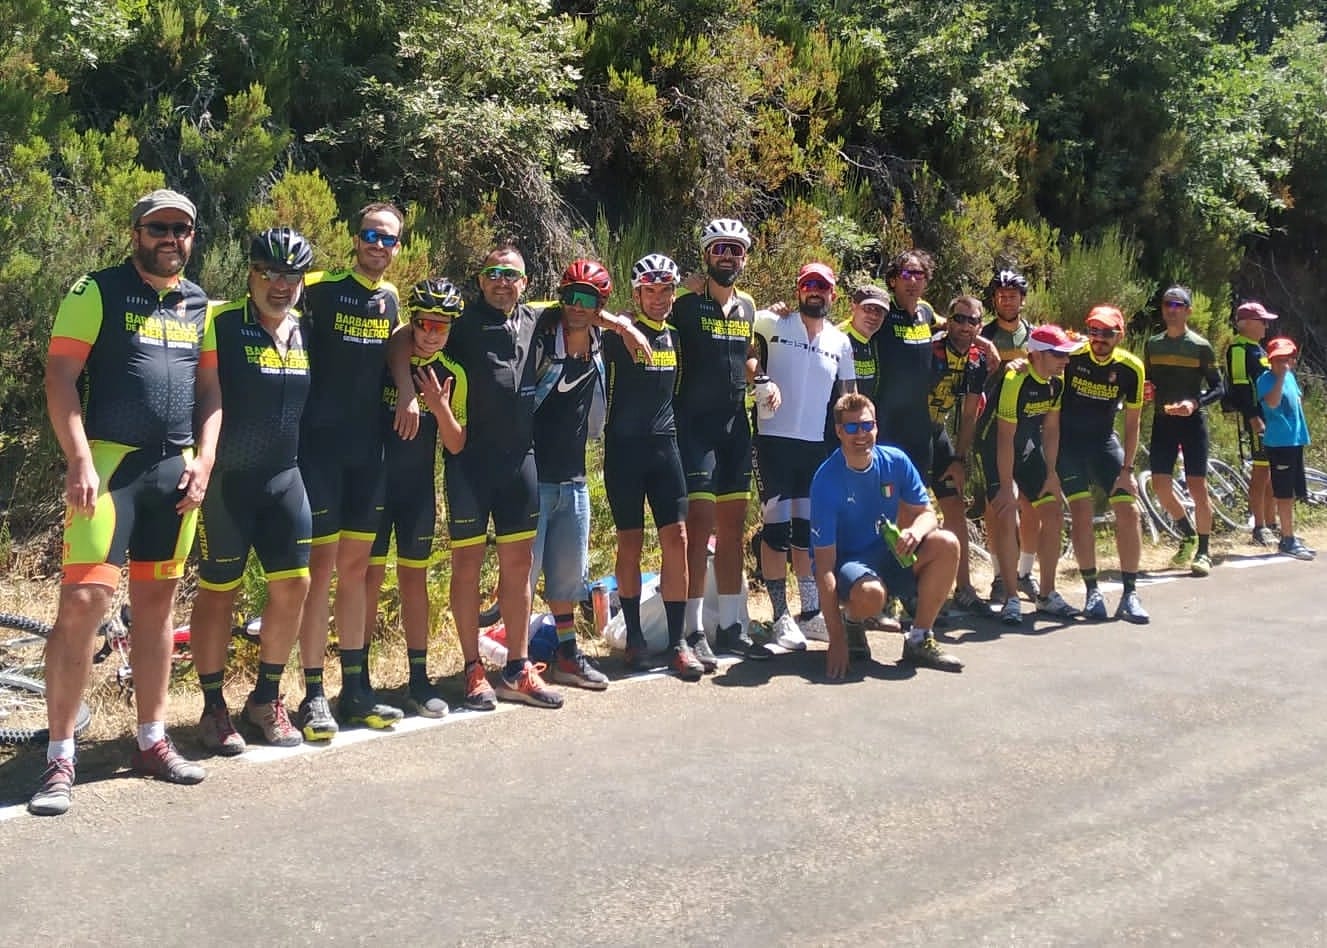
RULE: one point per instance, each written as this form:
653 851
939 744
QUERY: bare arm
836 659
66 414
399 347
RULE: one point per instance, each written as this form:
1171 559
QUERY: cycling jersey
1093 392
712 344
1179 367
143 348
263 390
420 452
902 349
805 370
494 350
1246 360
954 376
1024 399
640 394
863 359
1013 344
347 322
568 402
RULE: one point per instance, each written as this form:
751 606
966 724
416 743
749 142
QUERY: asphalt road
1080 784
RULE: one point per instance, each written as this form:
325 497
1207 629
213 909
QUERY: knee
867 597
778 536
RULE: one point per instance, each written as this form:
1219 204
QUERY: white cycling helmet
654 268
724 228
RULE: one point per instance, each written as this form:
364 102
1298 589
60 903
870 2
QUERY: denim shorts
562 541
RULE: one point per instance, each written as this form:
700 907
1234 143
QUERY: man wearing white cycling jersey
809 362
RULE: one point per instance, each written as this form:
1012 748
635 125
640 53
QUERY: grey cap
871 294
1179 294
160 200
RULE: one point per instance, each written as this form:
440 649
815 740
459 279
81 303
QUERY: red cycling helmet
588 273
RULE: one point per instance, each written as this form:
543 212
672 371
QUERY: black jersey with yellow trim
421 450
1246 359
902 349
1094 390
955 374
1024 399
712 347
640 393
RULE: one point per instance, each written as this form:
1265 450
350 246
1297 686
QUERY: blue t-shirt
1286 427
846 505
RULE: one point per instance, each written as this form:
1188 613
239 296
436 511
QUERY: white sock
916 634
57 749
809 593
150 733
693 620
730 609
1025 563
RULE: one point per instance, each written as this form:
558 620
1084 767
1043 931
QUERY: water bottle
493 645
889 532
764 391
602 611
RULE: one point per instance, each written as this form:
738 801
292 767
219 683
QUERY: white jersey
805 371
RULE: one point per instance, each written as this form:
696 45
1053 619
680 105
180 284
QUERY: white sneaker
787 635
1054 605
814 628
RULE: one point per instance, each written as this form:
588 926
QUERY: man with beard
1096 381
713 431
348 317
809 363
256 499
140 452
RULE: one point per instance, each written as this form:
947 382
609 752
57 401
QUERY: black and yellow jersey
712 346
1023 399
263 390
954 375
1094 390
640 394
863 359
421 450
1182 367
1245 361
902 350
143 348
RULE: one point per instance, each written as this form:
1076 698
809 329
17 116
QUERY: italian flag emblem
887 491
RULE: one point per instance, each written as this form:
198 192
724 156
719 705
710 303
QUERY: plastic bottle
763 393
890 533
493 645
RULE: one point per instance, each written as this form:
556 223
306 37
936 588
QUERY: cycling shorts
410 512
266 512
716 454
942 455
134 515
477 490
641 469
1257 450
914 440
1029 474
1288 476
1082 465
344 495
1170 433
786 466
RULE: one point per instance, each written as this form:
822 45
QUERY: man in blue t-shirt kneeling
861 494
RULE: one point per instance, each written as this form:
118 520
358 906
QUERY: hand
1257 425
695 282
1051 486
779 308
956 474
1182 409
81 483
193 482
836 657
436 397
773 398
1018 365
406 421
1125 484
908 541
637 344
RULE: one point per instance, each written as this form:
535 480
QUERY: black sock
1089 578
364 669
213 698
1130 581
1203 538
418 659
313 683
1185 527
676 613
268 686
352 670
512 670
631 616
566 626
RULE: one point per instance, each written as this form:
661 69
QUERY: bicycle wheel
1151 506
1316 481
1227 494
977 540
23 711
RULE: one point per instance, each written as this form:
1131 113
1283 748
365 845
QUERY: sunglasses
725 249
1174 304
852 427
655 278
431 324
908 273
1097 332
579 298
509 274
963 319
158 230
814 283
288 277
371 236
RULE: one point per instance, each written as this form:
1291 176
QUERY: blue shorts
562 541
879 563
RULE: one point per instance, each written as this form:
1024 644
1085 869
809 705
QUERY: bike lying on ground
23 717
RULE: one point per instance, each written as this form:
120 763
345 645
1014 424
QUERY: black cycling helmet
436 296
282 248
1009 278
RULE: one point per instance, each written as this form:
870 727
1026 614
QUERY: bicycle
23 716
116 641
1225 491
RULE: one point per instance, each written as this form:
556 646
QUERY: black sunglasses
158 230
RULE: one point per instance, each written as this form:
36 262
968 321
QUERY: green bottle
889 532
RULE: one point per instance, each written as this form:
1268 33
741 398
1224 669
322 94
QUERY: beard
813 310
148 260
721 276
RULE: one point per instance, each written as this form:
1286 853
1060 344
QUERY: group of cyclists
302 422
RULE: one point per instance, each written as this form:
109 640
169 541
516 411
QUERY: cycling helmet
436 296
724 228
588 273
654 268
1009 278
283 248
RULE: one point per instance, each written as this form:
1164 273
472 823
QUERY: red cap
817 270
1106 317
1052 338
1253 310
1281 346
